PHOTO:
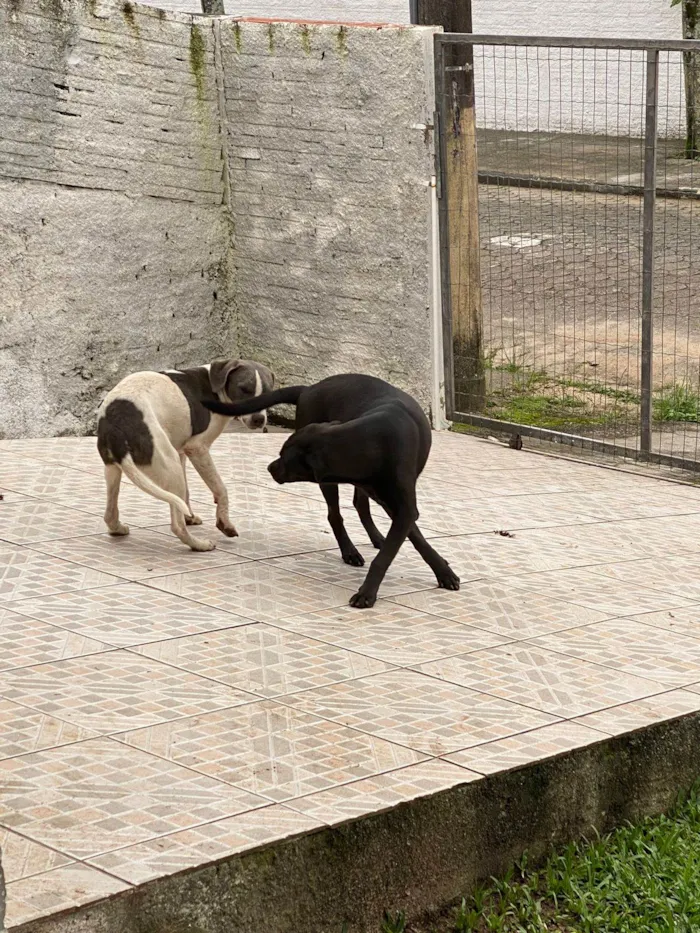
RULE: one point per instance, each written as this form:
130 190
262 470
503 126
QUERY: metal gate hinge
459 68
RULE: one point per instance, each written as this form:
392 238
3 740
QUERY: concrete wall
113 243
346 11
330 200
120 245
549 91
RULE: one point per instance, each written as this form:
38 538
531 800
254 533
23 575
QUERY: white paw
202 544
119 530
193 520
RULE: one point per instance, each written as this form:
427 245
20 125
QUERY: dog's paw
448 579
228 530
377 541
363 600
354 558
119 531
193 520
202 544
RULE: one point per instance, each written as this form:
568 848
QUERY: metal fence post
650 137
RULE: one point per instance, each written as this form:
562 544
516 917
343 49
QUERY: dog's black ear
317 463
219 371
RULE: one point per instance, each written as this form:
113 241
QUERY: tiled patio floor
160 709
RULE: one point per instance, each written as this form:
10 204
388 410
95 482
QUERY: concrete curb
417 856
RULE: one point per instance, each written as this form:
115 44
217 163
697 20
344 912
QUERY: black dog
359 430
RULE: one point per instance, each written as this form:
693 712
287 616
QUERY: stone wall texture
174 188
330 204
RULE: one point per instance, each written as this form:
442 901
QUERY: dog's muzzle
276 471
256 421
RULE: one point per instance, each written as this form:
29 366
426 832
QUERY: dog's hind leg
446 577
113 478
189 519
361 502
166 471
348 551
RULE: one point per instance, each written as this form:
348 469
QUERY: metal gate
570 224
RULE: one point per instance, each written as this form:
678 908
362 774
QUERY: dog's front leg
401 525
348 551
204 465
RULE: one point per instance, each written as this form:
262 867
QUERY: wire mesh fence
584 326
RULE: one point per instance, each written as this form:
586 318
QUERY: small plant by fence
588 217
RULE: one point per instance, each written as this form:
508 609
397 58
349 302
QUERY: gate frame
652 47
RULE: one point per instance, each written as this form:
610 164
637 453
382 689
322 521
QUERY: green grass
677 403
640 879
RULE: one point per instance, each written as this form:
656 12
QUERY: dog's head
239 380
302 458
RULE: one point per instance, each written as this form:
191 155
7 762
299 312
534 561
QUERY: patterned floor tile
392 633
259 539
372 795
686 621
61 889
202 844
136 508
34 520
501 609
524 673
476 515
629 503
676 575
52 481
100 795
138 556
24 730
632 539
22 858
272 750
25 641
10 497
115 691
631 716
489 555
405 575
25 574
595 591
667 657
519 750
419 712
263 660
257 591
127 614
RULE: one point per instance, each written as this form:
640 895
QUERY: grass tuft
643 878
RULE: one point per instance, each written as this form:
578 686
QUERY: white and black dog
151 422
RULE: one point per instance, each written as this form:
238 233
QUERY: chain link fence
584 234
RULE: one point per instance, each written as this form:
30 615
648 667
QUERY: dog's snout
258 420
276 471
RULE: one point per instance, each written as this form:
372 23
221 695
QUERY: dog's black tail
288 396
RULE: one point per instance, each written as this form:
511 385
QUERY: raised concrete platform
215 742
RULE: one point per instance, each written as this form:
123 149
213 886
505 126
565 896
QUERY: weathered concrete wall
330 167
340 11
113 244
173 188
